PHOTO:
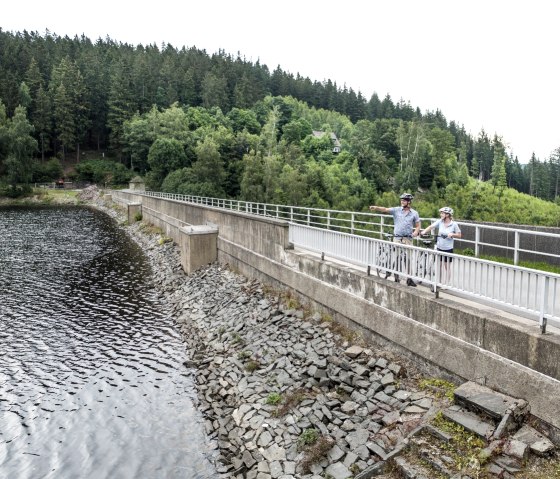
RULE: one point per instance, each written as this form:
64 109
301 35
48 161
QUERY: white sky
489 64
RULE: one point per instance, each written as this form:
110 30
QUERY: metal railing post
542 317
516 249
476 241
436 274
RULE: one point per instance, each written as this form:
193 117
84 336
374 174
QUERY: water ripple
91 377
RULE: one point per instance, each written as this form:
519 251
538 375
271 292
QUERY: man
407 224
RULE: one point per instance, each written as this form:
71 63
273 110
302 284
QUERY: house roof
319 134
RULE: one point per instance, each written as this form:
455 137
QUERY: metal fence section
481 238
530 291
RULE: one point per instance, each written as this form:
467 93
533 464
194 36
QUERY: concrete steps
482 434
469 421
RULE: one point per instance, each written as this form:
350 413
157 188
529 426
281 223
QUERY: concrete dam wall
469 342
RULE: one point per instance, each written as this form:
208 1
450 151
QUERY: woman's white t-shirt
445 244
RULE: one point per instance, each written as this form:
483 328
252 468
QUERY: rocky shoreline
286 393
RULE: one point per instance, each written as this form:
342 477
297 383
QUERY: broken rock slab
537 442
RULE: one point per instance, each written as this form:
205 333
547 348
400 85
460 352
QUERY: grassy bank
539 265
45 196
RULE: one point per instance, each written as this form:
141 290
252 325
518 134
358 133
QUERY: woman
448 230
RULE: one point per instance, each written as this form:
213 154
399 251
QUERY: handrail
368 224
530 291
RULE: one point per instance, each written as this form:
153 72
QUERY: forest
218 125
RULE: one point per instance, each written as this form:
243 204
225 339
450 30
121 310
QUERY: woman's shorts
446 259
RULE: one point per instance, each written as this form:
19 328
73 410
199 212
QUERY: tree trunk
42 148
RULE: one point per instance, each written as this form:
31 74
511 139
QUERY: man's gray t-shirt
404 221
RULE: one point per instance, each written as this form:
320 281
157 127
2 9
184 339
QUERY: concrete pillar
133 210
199 246
108 197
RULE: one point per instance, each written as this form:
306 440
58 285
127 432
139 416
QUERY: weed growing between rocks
346 334
252 366
316 451
243 355
291 400
150 229
273 399
308 437
165 239
544 468
465 448
440 387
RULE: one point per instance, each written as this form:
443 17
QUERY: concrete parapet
198 246
134 210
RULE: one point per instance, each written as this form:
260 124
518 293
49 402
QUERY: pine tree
120 105
215 92
498 176
67 91
555 164
63 115
42 119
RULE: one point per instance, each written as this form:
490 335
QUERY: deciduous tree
21 147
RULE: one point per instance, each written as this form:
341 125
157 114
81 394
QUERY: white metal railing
531 291
353 238
375 225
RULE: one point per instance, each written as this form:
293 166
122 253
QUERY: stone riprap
248 349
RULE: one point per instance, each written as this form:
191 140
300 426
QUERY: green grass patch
55 192
273 399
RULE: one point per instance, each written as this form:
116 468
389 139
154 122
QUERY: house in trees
334 139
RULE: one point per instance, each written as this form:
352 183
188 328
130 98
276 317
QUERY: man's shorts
403 240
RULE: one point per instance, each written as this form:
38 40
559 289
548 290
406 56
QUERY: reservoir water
92 383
